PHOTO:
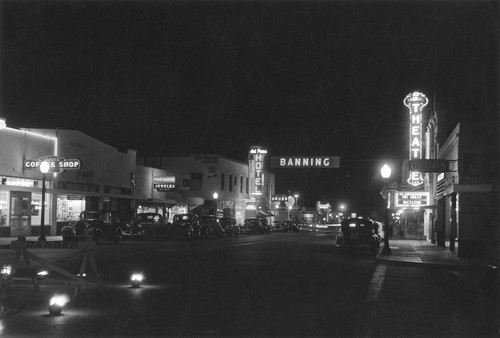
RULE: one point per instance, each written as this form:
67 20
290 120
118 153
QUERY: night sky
301 78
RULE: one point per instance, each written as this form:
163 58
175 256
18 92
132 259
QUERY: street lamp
296 199
44 168
386 173
342 207
215 196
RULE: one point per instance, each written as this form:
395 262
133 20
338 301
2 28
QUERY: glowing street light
136 279
215 196
44 168
342 209
57 303
386 174
6 271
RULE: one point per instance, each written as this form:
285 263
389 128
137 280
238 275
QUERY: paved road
254 285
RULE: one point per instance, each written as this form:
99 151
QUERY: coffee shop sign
55 164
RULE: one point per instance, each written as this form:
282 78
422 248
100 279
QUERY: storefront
20 206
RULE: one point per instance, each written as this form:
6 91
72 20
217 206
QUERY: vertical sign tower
256 168
415 102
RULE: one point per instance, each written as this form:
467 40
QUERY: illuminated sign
55 164
429 166
412 199
256 165
164 179
279 198
415 102
258 150
324 206
163 183
305 162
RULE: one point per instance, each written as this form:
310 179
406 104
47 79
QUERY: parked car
185 225
148 225
359 234
290 226
93 225
256 225
265 225
229 227
277 226
209 226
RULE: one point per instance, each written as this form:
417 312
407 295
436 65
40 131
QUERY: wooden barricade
25 249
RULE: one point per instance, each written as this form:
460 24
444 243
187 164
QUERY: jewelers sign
411 199
163 183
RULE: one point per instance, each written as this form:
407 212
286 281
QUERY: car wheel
118 234
167 234
150 235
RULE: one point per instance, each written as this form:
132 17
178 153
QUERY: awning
185 197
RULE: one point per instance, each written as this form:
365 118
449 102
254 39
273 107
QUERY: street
278 284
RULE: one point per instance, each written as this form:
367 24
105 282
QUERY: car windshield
148 217
182 217
90 215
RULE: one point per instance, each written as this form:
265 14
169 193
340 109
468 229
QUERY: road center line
376 283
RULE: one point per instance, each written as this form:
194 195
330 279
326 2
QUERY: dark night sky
298 77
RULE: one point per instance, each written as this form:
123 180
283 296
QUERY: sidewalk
421 252
5 241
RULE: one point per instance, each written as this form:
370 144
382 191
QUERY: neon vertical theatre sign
415 102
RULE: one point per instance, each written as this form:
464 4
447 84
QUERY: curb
487 267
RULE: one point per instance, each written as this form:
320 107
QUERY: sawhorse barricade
23 248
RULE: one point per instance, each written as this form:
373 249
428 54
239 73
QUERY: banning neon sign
415 102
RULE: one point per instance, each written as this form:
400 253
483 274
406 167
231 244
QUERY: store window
69 207
4 208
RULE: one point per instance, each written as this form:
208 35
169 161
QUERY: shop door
414 224
20 213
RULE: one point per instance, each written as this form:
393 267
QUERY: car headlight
136 279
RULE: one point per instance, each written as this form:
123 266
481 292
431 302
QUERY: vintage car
185 225
361 234
228 225
290 226
209 226
148 225
93 225
254 225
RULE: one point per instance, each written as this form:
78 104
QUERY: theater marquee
305 162
411 199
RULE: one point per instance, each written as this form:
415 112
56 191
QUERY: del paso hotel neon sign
256 164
